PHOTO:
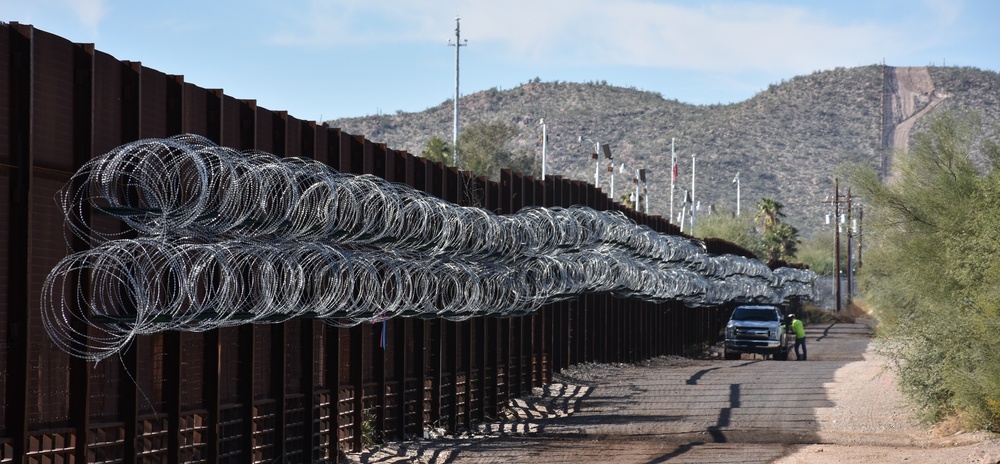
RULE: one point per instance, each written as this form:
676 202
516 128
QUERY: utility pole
850 255
860 231
836 241
458 45
837 221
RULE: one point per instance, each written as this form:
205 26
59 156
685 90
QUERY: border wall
298 390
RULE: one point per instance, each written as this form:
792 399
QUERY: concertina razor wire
227 237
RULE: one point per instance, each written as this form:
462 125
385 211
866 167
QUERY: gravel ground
840 406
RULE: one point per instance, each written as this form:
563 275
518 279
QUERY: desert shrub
931 268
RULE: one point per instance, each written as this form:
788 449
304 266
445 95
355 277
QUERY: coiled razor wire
232 237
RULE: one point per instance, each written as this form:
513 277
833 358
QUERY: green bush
931 269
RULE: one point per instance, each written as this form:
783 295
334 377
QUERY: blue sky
326 59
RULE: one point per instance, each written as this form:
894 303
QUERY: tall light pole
544 140
458 45
598 149
673 177
597 166
693 198
737 181
635 180
611 169
606 149
645 187
612 174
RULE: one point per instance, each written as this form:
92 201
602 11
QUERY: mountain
786 142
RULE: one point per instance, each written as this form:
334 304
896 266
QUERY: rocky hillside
786 142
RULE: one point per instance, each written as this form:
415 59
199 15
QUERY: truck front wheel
731 355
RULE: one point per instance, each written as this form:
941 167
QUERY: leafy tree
437 150
627 200
772 240
817 252
727 226
485 148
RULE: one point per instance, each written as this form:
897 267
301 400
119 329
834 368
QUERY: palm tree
781 242
437 150
769 214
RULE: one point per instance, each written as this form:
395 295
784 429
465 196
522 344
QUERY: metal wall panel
256 393
52 102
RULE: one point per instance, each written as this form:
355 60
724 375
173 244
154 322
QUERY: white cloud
700 36
88 12
726 36
327 23
946 12
83 14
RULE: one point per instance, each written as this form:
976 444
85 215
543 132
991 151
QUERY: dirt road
913 86
840 406
912 95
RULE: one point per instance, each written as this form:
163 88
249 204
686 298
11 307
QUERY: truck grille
752 333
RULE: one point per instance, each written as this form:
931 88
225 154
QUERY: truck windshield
755 314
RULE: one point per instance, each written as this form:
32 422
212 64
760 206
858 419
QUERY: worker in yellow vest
800 337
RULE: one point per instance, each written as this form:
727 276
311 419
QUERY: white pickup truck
758 329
